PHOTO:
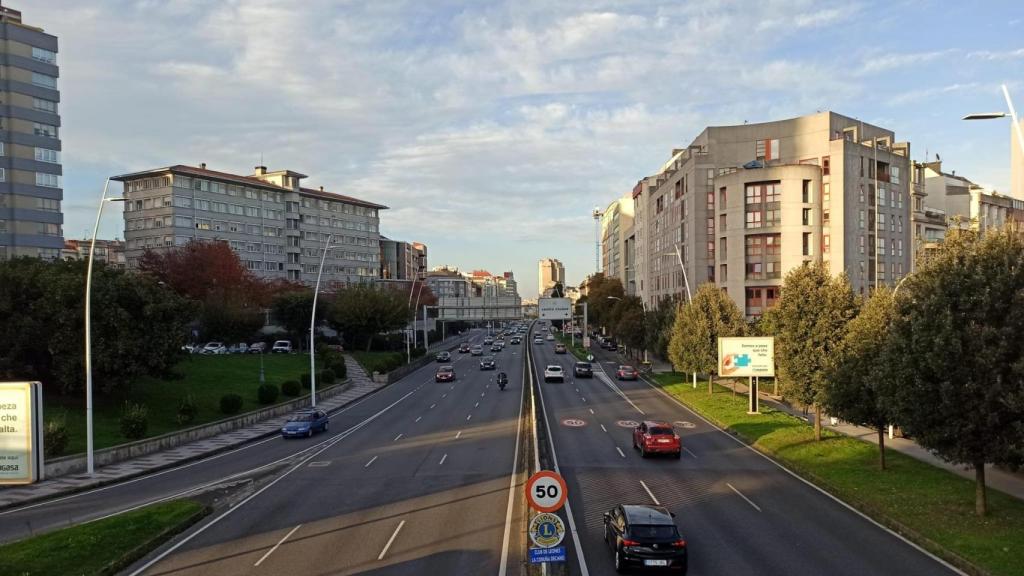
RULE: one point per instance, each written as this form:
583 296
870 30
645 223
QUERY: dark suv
583 370
644 536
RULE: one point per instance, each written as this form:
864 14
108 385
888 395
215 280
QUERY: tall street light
89 460
312 323
686 282
1012 114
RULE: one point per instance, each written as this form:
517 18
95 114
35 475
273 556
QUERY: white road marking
367 465
397 438
390 541
443 458
690 452
608 382
445 395
603 428
279 542
432 406
591 410
418 418
468 416
620 452
482 394
477 405
577 389
582 398
742 496
453 387
457 434
649 493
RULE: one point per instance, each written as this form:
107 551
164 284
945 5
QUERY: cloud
1004 55
915 96
875 63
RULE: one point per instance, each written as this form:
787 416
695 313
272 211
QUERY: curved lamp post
312 324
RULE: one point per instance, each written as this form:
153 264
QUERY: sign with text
555 308
547 530
21 432
746 357
539 555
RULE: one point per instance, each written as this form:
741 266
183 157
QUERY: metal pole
312 325
426 341
89 462
418 292
686 281
1013 116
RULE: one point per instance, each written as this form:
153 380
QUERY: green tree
698 325
362 310
809 321
629 324
292 310
856 388
659 323
602 295
957 355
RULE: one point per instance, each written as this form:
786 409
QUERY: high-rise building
616 221
30 170
402 260
278 228
549 272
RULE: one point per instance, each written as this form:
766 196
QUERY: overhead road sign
555 308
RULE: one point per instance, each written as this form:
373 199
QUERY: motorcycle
502 380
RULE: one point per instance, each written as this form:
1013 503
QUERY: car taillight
626 542
679 544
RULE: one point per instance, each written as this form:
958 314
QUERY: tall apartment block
30 169
616 228
549 272
278 228
745 204
402 260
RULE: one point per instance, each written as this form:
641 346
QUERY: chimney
321 188
261 170
202 165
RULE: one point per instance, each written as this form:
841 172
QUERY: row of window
48 180
213 186
335 206
341 255
339 269
335 223
262 265
44 80
44 105
44 130
43 55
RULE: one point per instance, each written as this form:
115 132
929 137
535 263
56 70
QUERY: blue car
305 423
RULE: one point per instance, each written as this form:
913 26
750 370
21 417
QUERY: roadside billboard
21 432
555 308
746 357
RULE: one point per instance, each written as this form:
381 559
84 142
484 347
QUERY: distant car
515 340
464 347
583 370
495 347
191 348
559 348
549 337
538 340
444 374
257 348
626 373
644 536
214 348
444 356
305 423
487 363
238 348
657 437
554 372
282 347
488 340
477 350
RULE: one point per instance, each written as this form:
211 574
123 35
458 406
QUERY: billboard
555 308
21 432
746 357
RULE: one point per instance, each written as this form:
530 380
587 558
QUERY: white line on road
367 465
457 434
279 542
690 452
591 410
418 418
742 496
432 406
443 458
445 395
482 394
577 389
468 416
453 387
608 382
582 398
477 405
397 438
390 540
649 493
603 428
620 452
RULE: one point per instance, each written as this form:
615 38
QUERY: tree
659 325
809 322
957 355
698 325
602 293
857 384
293 310
362 310
629 324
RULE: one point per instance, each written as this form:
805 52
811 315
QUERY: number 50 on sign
545 491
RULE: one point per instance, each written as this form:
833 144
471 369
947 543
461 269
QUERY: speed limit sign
545 491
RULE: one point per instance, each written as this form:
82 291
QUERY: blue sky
490 128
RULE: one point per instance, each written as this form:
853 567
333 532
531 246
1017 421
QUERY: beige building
110 252
549 272
744 204
616 222
1016 165
402 260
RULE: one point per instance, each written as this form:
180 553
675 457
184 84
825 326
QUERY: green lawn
382 362
207 378
101 547
930 501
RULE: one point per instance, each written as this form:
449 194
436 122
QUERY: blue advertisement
538 555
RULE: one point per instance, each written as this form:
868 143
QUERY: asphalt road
419 479
738 511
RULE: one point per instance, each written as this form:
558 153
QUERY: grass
382 362
101 547
206 378
910 496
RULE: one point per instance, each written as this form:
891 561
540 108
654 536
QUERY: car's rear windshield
655 430
555 368
445 369
625 368
661 532
583 364
302 418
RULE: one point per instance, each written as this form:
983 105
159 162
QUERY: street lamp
1012 114
686 282
312 323
89 460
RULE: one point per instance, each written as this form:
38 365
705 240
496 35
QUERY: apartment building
278 228
30 147
741 205
110 252
549 272
402 260
616 220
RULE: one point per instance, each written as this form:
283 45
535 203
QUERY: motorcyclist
502 380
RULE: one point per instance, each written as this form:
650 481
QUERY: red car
653 437
444 374
626 373
464 347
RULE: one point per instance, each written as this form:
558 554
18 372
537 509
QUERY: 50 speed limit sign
545 491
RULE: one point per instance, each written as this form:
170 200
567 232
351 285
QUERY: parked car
282 347
238 348
583 370
305 423
626 373
444 356
191 348
444 374
464 347
644 536
554 372
214 348
257 348
477 350
656 437
487 363
559 348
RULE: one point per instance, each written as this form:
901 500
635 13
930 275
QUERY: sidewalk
361 385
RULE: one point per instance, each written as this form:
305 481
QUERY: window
182 202
761 207
894 198
3 175
202 224
753 219
825 165
881 196
711 226
721 223
899 225
807 244
711 249
860 219
860 193
881 246
721 198
723 273
48 204
826 244
44 80
860 244
47 155
755 271
806 192
807 217
47 229
44 105
767 149
722 248
48 180
44 55
894 174
826 195
45 130
881 221
711 200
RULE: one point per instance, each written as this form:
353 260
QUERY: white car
282 347
554 372
538 340
550 337
214 348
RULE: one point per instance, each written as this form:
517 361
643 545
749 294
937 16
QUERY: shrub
325 376
187 410
268 393
55 437
291 388
134 420
231 404
306 381
336 362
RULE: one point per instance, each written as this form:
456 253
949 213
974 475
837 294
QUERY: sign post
751 357
546 492
21 432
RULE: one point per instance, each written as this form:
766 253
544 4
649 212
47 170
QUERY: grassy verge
382 362
101 547
206 378
931 505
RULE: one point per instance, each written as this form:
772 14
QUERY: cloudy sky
492 128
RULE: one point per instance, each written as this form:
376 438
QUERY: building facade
549 272
110 252
31 190
402 260
278 228
616 220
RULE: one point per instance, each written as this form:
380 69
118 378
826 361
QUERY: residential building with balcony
110 252
402 260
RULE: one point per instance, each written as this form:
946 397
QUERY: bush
55 437
267 393
187 410
306 381
325 376
231 404
291 388
335 361
134 420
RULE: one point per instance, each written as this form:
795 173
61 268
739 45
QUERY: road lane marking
457 434
279 542
690 452
445 395
621 453
649 493
477 405
482 394
390 541
468 416
591 410
443 458
367 465
583 398
432 406
453 387
742 496
397 438
577 390
418 418
603 428
608 382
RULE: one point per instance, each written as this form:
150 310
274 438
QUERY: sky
493 128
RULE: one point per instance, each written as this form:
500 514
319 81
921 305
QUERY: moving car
464 347
554 372
538 340
626 373
549 337
444 374
305 423
258 348
656 437
444 356
559 348
282 347
487 363
515 340
644 536
476 350
495 347
214 348
488 340
583 370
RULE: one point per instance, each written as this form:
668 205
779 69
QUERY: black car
583 370
644 536
487 363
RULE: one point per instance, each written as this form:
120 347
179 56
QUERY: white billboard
555 308
21 438
746 357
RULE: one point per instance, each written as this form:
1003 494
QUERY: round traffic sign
545 491
574 422
547 530
628 423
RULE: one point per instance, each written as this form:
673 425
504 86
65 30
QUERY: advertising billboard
746 357
21 438
554 308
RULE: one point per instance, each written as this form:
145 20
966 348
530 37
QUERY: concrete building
744 204
110 252
616 220
447 282
402 260
549 272
30 147
1016 165
278 228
